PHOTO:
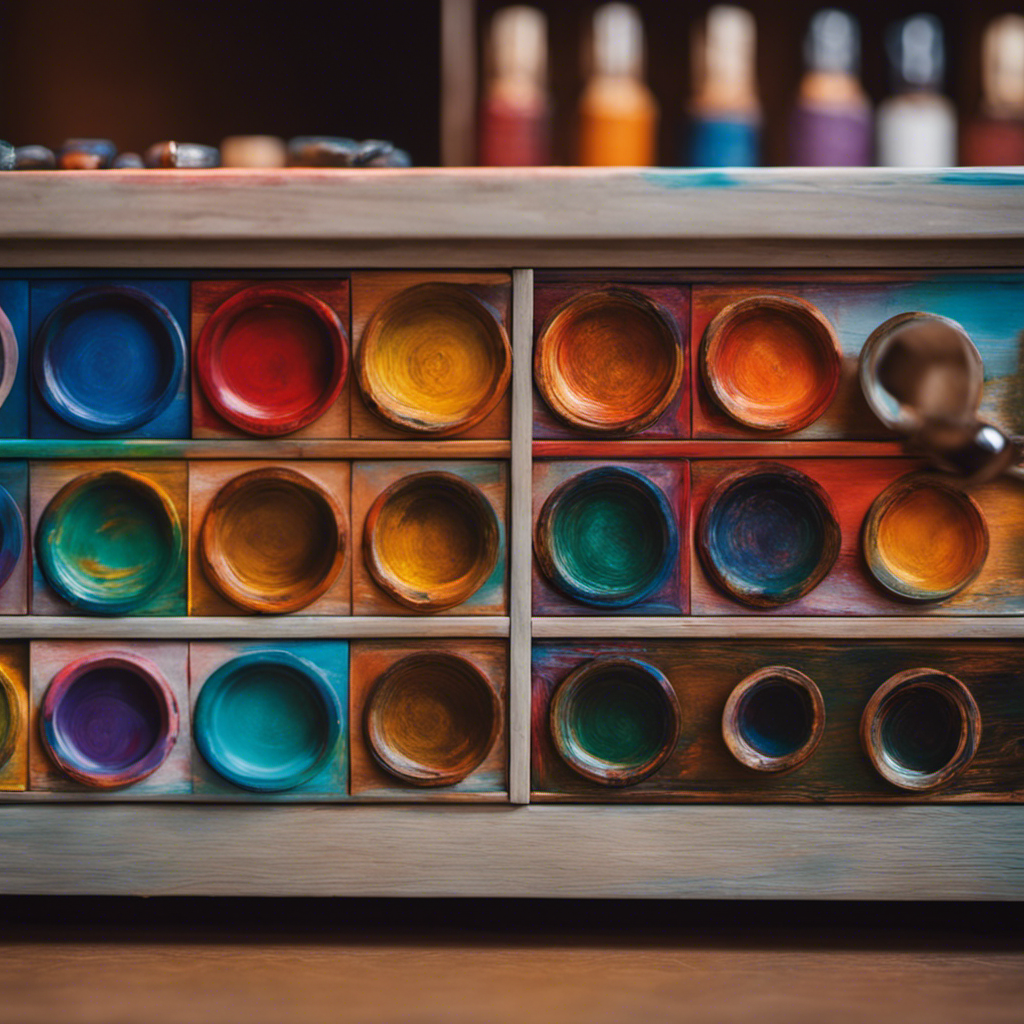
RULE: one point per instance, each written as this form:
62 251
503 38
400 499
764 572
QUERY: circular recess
273 540
771 362
433 360
431 540
432 719
774 719
12 535
272 359
920 729
615 720
609 362
768 535
607 537
109 719
267 721
109 359
109 542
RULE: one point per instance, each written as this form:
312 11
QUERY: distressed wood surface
173 777
849 589
279 448
205 481
206 297
369 479
14 591
540 204
703 675
14 663
520 548
47 478
673 300
672 597
370 290
959 852
718 449
368 780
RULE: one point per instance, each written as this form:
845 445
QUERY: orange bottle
618 113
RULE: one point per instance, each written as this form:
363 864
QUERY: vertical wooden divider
520 544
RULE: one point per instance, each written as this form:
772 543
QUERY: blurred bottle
725 113
917 125
618 112
831 121
996 136
515 113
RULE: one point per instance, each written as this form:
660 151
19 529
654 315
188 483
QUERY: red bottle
996 136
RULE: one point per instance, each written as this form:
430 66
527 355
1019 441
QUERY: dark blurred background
139 71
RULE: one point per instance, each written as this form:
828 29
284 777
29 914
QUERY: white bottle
917 126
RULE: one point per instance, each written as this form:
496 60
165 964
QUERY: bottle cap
916 52
832 43
519 45
1002 63
724 53
618 41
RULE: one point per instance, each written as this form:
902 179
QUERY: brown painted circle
424 309
786 319
427 513
975 536
732 730
873 719
609 362
15 721
431 719
268 509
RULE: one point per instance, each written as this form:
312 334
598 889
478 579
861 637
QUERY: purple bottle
831 121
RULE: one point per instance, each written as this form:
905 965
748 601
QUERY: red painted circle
271 359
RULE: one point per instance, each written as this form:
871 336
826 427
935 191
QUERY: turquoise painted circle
108 542
267 721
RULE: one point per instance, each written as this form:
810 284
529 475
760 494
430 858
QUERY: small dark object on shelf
6 156
334 151
128 162
190 155
34 158
86 154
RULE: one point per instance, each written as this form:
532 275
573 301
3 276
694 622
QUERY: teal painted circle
267 721
607 537
109 542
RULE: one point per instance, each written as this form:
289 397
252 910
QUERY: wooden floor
460 961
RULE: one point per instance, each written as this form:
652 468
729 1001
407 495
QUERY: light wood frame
559 218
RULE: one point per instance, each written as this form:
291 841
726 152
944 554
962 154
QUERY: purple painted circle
109 720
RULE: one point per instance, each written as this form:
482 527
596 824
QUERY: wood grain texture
672 596
14 591
369 479
173 777
14 663
369 781
370 290
703 675
279 448
331 659
718 449
206 297
988 306
685 852
205 481
673 300
47 478
849 589
544 203
520 529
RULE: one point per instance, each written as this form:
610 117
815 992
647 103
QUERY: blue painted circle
109 359
267 721
12 535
